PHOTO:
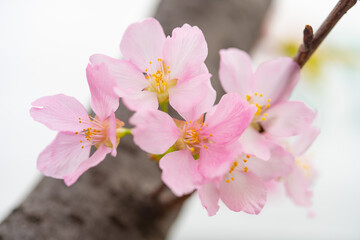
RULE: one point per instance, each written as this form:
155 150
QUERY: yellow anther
159 59
79 121
244 160
79 118
145 70
248 156
247 97
263 118
82 146
76 132
246 169
168 67
267 105
189 121
265 114
205 146
235 163
228 181
169 71
232 178
192 149
150 62
147 77
187 141
210 135
256 94
261 94
185 122
269 100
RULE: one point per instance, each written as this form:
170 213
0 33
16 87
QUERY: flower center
195 135
260 114
304 166
159 79
240 165
96 132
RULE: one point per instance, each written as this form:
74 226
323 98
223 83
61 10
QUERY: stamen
246 169
228 181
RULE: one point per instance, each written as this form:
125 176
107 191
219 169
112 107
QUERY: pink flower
243 187
298 182
205 147
268 89
67 157
158 69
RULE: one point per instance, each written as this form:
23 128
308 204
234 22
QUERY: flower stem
157 157
164 106
121 132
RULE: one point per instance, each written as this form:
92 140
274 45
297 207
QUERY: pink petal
185 51
187 95
304 141
59 112
204 106
229 119
246 193
111 132
276 79
280 164
215 160
143 42
288 119
235 72
209 197
155 131
104 101
94 160
297 187
63 155
141 100
254 143
180 172
129 78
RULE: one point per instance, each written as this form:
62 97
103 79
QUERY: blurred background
44 49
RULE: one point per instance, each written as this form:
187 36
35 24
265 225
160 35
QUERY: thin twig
176 201
156 193
312 42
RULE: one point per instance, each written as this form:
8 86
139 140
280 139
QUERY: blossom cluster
254 137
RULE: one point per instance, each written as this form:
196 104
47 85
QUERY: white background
44 49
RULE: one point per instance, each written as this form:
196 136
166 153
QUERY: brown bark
115 199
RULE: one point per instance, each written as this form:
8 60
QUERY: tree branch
311 42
